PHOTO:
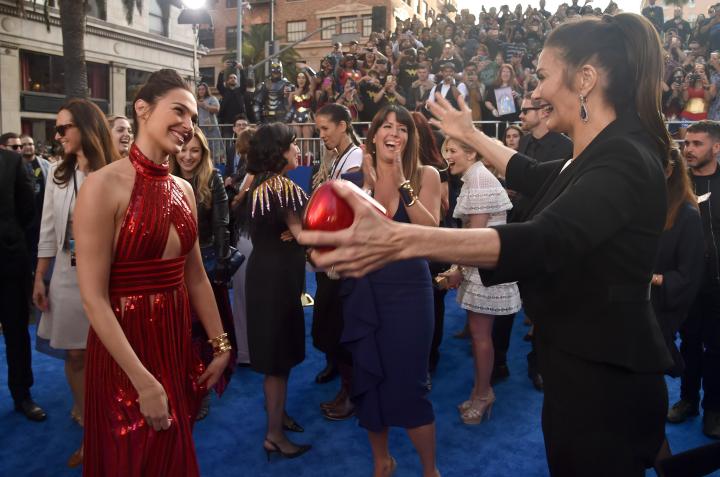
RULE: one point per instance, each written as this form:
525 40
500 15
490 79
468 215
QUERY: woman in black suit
680 261
585 256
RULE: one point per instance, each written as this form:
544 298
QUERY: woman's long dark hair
628 48
679 190
410 159
338 113
95 139
429 152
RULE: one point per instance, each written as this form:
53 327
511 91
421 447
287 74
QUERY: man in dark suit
17 209
542 145
700 333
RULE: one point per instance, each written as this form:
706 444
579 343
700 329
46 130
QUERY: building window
231 3
348 26
94 11
296 30
42 73
206 37
366 25
230 37
328 32
158 18
98 76
207 75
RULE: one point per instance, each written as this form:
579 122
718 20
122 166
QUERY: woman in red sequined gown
139 267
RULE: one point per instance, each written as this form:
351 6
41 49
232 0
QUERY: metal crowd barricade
311 147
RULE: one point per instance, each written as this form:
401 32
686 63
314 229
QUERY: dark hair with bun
338 113
157 86
267 148
627 47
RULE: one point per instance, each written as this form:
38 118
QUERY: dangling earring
584 115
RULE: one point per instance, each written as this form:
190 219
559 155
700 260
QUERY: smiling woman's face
552 90
390 139
121 135
169 122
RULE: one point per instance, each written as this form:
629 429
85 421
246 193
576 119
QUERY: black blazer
585 257
17 209
681 261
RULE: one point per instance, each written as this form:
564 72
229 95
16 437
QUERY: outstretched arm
373 241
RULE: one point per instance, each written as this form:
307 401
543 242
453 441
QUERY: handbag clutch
221 274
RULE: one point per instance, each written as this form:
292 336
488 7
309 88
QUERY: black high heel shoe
301 449
289 424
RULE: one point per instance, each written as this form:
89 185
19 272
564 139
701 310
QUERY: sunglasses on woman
62 128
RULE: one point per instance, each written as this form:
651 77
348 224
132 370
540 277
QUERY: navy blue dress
388 329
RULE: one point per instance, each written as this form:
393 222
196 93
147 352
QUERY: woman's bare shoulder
110 181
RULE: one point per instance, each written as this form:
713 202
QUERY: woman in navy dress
389 313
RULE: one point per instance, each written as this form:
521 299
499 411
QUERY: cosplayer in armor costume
270 99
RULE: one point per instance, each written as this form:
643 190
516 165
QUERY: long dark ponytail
336 113
628 48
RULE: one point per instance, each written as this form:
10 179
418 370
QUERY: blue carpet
229 441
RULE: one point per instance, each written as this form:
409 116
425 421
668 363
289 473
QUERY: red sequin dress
150 301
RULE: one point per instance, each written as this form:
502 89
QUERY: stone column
117 88
10 87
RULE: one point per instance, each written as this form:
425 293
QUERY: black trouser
502 329
700 349
14 316
599 419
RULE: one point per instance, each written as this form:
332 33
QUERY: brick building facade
294 19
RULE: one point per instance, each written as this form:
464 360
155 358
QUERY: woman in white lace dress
482 202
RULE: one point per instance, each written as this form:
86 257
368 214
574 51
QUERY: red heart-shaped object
329 212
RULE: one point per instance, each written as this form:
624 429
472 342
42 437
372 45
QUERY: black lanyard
343 156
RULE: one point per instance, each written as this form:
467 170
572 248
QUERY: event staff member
700 333
584 258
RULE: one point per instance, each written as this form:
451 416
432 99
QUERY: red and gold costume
150 301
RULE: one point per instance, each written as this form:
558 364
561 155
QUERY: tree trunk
72 23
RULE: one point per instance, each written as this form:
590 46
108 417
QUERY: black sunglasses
62 128
534 108
15 146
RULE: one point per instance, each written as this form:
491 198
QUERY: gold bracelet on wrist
220 344
407 194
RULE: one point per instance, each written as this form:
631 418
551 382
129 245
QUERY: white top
444 87
482 193
350 160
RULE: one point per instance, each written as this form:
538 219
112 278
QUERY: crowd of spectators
489 58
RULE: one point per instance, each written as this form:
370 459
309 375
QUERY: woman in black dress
679 265
275 273
585 256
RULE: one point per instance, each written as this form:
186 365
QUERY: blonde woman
482 202
194 164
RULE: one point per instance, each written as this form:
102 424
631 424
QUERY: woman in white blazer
82 130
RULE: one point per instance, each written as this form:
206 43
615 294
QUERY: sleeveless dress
482 193
150 301
275 277
389 321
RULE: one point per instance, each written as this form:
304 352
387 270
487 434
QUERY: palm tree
73 16
254 52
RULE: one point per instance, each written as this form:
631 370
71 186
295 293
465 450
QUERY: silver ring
332 275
